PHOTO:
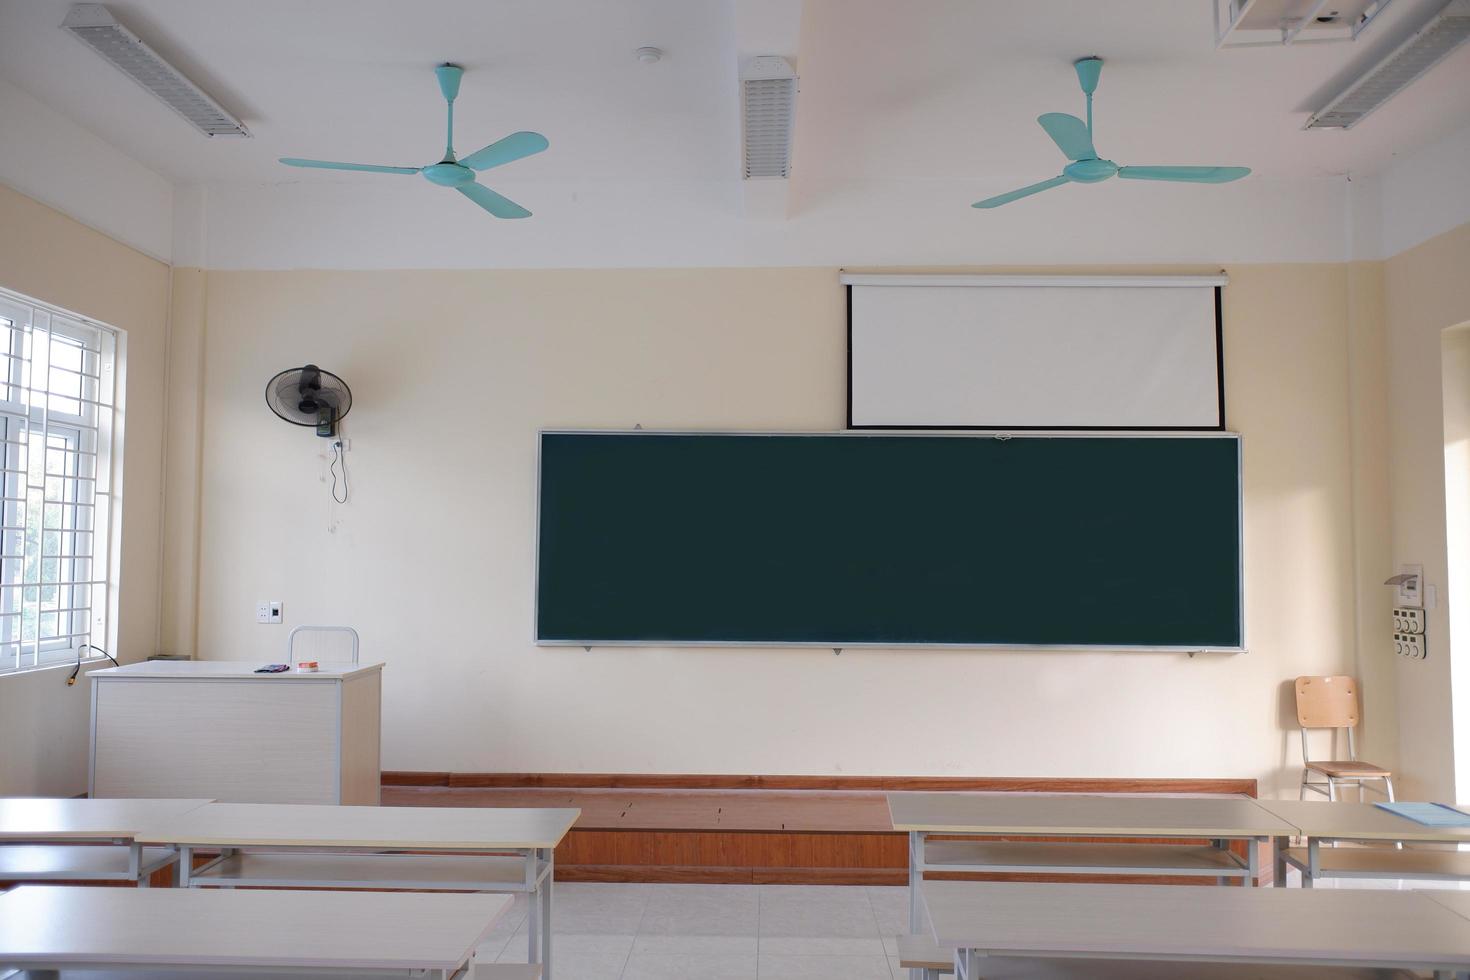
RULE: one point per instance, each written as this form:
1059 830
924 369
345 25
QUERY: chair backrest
1327 702
324 644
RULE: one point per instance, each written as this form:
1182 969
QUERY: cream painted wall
1426 291
51 257
454 373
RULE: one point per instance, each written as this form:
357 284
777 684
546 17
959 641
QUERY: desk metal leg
916 875
1252 861
533 896
916 878
544 898
183 867
1309 873
135 862
1278 862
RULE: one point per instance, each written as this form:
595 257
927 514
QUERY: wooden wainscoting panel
741 829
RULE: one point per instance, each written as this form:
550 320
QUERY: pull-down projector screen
1034 352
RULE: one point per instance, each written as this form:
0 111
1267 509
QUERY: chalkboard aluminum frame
1081 429
918 434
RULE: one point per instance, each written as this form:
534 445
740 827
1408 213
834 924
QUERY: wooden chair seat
1349 769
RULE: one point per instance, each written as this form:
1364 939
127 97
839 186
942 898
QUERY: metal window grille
58 433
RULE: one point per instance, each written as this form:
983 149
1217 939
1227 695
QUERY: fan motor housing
449 174
1090 171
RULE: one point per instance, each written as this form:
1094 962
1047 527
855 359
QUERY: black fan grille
308 396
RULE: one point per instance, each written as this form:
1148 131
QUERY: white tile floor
732 932
722 932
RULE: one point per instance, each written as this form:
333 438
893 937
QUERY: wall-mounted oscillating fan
311 397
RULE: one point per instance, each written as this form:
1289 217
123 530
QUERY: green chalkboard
890 540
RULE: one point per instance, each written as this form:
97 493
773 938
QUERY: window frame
85 605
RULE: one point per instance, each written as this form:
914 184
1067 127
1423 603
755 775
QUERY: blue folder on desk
1429 814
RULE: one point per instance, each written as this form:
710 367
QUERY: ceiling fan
449 172
1074 138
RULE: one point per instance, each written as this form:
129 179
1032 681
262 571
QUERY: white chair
324 644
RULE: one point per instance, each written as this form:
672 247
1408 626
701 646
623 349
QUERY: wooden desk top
1083 815
236 670
38 818
397 827
1357 821
42 925
1368 927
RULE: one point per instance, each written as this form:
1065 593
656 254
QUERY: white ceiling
919 89
907 108
940 89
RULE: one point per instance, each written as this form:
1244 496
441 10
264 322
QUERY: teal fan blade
1016 195
1074 137
513 147
501 207
1191 175
371 168
1070 134
449 171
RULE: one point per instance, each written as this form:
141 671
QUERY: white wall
44 726
47 157
1426 292
55 259
398 224
454 373
1425 193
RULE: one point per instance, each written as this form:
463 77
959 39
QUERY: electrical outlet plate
268 611
1410 645
1408 619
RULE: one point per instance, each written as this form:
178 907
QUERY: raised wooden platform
740 829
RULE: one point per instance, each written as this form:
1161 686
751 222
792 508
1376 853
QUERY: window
58 435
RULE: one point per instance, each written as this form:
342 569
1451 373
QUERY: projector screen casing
1034 353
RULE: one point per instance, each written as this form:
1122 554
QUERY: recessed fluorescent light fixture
767 115
1429 45
94 24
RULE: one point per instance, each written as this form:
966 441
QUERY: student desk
1364 822
485 849
1363 928
1219 819
82 840
217 729
388 934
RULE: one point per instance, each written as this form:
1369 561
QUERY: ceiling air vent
768 113
1446 31
94 24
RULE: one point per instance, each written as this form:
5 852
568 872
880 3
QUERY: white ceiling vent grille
1430 44
768 115
94 24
